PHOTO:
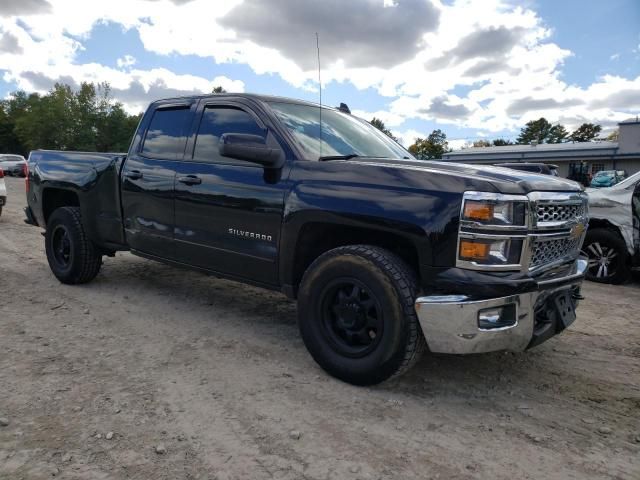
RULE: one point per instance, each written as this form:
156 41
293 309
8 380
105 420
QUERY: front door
148 180
228 212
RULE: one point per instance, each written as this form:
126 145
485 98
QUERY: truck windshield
341 135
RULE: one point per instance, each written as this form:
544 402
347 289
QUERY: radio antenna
320 88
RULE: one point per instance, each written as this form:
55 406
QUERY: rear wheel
608 257
72 257
357 316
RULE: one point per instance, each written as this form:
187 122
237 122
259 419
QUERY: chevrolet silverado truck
386 255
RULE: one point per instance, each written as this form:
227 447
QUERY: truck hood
503 180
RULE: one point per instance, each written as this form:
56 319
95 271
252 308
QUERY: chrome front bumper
450 322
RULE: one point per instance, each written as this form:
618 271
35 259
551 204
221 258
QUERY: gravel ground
152 372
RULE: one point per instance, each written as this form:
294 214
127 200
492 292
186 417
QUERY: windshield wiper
338 157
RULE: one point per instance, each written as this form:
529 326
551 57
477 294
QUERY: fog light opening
497 317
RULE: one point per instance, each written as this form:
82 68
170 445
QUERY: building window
597 167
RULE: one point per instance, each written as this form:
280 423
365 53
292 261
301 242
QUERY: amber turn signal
470 250
481 211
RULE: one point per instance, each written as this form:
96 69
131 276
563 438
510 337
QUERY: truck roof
252 96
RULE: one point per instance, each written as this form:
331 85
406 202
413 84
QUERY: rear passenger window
166 135
217 121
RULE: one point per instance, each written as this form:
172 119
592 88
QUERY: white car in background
3 191
14 165
613 238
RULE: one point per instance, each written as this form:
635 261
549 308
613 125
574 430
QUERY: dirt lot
96 380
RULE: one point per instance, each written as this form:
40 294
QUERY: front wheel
72 257
608 257
356 314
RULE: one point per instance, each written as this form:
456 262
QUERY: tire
362 336
608 257
72 257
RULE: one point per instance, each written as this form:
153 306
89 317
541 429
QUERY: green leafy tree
585 132
379 124
541 131
501 142
534 131
218 89
434 146
15 106
557 134
481 143
87 119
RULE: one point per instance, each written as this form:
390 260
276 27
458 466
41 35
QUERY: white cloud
408 137
126 61
615 56
388 118
231 86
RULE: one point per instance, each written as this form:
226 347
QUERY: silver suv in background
14 165
613 238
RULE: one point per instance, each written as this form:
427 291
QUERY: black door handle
190 180
133 174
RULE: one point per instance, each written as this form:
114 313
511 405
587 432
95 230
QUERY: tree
541 131
432 147
218 89
501 142
379 124
534 131
481 143
557 134
87 119
585 132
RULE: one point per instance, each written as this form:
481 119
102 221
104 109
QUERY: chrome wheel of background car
351 317
61 246
602 260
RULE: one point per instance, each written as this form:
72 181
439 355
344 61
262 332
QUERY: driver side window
217 121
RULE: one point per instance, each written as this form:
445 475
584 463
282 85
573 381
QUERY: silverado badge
248 234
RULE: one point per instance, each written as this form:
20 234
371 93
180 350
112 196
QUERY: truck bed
94 179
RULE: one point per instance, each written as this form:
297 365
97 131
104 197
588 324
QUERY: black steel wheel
356 314
352 317
608 257
61 246
72 257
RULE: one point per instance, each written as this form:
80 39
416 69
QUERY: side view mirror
251 148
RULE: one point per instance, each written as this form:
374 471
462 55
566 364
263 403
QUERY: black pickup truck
386 255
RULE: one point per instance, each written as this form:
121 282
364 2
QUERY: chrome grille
549 251
550 212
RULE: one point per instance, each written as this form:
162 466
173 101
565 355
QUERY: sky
476 69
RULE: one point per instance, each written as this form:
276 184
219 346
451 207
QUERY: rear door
228 212
148 178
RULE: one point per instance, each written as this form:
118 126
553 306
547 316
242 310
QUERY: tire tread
404 281
90 259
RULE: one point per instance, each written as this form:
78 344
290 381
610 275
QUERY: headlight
497 212
493 231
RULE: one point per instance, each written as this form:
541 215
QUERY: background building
574 160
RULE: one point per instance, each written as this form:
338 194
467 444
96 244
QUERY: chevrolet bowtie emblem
577 230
